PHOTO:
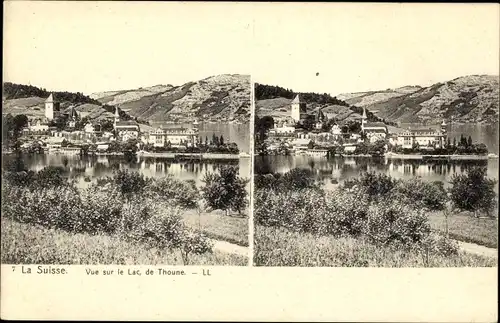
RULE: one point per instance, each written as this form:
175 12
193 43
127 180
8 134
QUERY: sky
322 47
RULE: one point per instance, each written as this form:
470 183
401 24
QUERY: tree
262 126
19 122
221 140
309 122
59 122
454 142
377 149
469 142
473 191
225 190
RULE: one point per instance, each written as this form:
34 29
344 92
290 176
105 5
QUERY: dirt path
477 249
227 247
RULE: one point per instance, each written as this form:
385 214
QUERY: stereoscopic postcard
250 161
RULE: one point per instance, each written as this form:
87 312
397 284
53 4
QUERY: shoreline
183 156
404 156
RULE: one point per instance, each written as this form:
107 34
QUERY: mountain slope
223 97
30 101
473 98
275 101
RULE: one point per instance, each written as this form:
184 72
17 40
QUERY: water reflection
94 167
342 168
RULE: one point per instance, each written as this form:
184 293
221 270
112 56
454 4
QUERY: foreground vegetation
464 227
371 221
127 207
282 247
28 244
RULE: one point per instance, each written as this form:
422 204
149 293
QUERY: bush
51 176
342 213
53 207
376 184
294 179
430 195
473 191
181 193
129 182
396 222
225 190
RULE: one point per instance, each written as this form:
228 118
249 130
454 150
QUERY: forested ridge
264 92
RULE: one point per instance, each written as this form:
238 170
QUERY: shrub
194 242
473 191
160 227
181 193
429 195
129 182
51 176
101 210
294 179
53 207
441 245
225 190
396 222
334 213
376 184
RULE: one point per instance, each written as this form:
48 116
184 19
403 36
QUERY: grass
218 226
31 244
280 247
463 227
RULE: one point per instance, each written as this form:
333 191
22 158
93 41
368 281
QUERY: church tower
363 119
298 108
117 116
49 108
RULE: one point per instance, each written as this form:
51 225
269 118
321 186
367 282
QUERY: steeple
49 107
363 119
117 116
50 99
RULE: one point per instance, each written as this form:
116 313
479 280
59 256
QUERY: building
125 130
320 119
38 125
283 129
423 138
174 136
51 107
298 109
300 144
373 130
317 152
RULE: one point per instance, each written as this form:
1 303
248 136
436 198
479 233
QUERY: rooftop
297 99
126 123
375 125
50 99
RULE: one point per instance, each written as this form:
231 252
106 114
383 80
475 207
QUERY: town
67 131
319 134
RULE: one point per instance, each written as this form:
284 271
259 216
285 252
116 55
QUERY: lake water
232 132
94 167
340 169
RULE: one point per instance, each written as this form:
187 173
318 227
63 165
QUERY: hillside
275 101
466 99
223 97
30 100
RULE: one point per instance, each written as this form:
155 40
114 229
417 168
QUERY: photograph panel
376 147
129 150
